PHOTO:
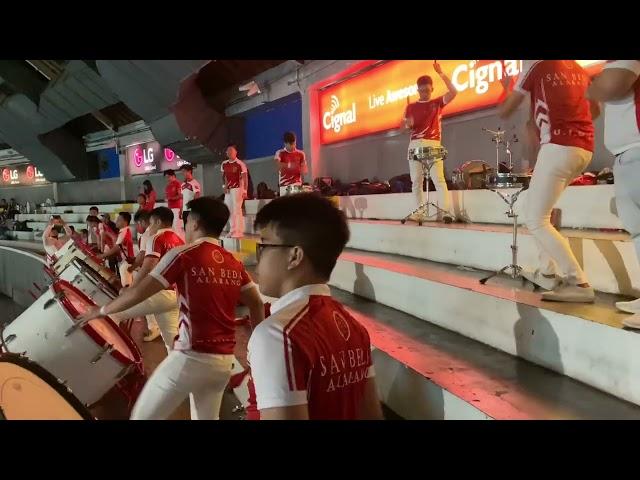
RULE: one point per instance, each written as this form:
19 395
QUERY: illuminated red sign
22 175
374 101
151 158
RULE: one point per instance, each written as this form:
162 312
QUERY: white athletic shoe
570 293
537 278
632 322
629 307
154 333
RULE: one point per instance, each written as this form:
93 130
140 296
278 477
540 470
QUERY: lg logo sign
143 155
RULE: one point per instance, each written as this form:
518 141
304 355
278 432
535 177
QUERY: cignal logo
479 78
334 119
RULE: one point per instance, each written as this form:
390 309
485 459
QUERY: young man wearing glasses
310 359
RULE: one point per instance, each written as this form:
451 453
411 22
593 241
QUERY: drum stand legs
423 209
513 269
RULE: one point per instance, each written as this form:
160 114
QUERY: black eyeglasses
261 246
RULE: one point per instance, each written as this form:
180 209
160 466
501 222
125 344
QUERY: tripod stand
423 209
516 270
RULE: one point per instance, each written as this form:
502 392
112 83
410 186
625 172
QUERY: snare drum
508 180
428 153
90 358
79 274
293 189
29 392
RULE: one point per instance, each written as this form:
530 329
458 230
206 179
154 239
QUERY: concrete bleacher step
583 341
426 372
608 258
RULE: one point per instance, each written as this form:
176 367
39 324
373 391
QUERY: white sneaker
154 333
570 293
537 278
629 307
632 322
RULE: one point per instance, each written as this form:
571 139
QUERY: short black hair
142 216
94 208
126 216
233 145
84 230
424 80
169 173
92 219
147 183
289 137
310 221
72 228
212 214
164 214
187 166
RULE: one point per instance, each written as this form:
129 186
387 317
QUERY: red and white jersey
190 190
560 110
427 117
125 240
311 351
294 164
143 240
231 171
622 117
173 189
163 241
151 200
208 282
108 236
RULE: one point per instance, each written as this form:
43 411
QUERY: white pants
126 278
417 174
283 190
201 376
626 171
164 306
233 201
556 167
151 320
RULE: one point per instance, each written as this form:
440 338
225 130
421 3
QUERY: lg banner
22 175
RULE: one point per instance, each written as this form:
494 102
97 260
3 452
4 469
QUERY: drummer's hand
130 269
93 312
437 67
244 195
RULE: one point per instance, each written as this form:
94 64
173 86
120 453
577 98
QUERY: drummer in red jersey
122 248
209 282
310 359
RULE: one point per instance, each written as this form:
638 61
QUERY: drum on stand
430 153
79 274
91 358
508 180
293 189
29 392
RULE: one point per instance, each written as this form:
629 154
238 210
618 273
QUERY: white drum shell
40 334
85 284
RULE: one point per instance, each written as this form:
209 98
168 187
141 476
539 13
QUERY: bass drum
472 175
29 392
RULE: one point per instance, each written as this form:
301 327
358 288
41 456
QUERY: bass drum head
29 392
